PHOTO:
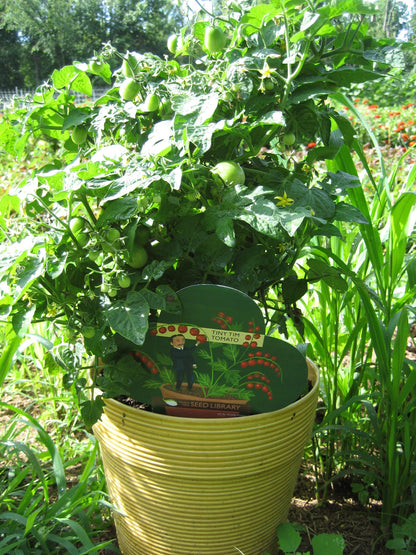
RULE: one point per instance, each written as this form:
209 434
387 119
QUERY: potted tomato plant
205 166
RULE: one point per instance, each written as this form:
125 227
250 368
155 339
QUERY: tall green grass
52 488
359 335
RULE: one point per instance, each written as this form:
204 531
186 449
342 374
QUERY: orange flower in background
394 127
412 143
311 145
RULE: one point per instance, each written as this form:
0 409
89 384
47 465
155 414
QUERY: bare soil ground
341 514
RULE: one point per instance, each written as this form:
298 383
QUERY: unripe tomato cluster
130 88
107 248
214 41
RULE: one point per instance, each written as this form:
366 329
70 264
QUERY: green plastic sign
213 359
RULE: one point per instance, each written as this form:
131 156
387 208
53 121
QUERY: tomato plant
151 175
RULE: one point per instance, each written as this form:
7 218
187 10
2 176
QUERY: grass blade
6 359
79 531
44 437
403 219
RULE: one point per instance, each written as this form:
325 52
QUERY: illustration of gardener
183 360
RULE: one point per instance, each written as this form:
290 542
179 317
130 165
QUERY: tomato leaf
225 231
129 317
346 213
119 209
159 141
91 410
293 289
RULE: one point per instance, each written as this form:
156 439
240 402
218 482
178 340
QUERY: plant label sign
213 359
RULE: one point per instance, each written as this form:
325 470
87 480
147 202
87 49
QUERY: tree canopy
36 36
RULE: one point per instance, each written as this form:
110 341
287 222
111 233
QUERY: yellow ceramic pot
190 486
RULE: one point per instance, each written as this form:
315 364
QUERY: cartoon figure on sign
183 360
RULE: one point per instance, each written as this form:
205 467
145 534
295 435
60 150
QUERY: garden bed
341 514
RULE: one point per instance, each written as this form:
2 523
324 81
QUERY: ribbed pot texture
191 486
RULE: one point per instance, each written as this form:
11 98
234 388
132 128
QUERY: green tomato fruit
82 239
289 139
76 225
230 173
151 103
126 69
129 66
88 332
214 40
104 287
79 134
137 258
95 66
112 292
124 281
112 235
129 89
70 334
165 109
173 44
93 255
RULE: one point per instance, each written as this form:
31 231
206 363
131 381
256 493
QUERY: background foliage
36 36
